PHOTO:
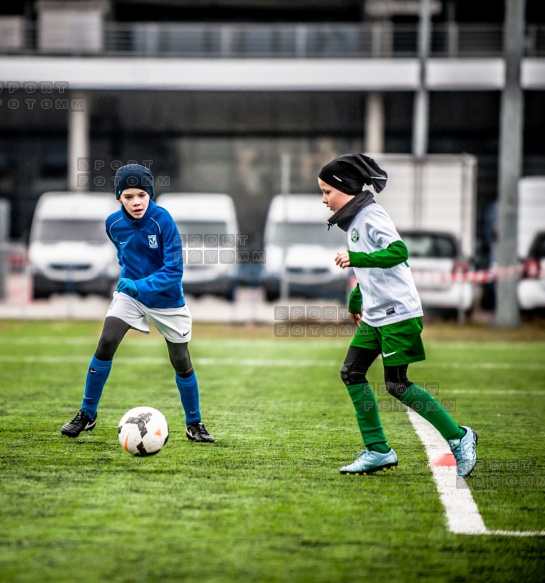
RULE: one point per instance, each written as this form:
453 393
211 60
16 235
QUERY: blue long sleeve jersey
149 251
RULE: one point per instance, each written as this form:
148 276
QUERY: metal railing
327 41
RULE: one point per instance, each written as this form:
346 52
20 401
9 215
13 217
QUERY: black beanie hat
133 176
351 172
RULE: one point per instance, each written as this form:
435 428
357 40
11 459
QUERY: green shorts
399 343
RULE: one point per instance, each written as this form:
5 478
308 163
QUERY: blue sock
97 375
189 394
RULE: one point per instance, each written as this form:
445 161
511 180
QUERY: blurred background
249 98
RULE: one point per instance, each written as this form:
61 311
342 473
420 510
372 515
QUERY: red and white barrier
495 273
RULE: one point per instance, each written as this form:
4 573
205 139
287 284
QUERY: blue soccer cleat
371 461
465 451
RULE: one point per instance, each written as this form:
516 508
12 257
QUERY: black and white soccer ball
143 431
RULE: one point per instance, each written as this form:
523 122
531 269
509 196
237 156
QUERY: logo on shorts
153 241
354 235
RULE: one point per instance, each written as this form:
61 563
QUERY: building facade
213 95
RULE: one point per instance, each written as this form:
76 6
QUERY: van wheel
271 295
231 294
38 294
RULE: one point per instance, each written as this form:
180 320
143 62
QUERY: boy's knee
396 380
397 390
351 375
106 348
180 359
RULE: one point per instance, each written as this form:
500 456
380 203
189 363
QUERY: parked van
531 242
208 226
439 269
300 249
69 250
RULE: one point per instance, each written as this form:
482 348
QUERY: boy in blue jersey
149 250
387 310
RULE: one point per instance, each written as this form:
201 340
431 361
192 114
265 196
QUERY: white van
69 250
531 242
208 226
299 248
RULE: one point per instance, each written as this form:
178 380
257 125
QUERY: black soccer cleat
81 422
196 431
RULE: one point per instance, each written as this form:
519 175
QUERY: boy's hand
127 285
356 318
343 259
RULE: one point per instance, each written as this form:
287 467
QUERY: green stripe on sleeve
393 255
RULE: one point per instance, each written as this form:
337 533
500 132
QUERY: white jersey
389 295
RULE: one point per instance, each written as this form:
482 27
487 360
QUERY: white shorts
173 323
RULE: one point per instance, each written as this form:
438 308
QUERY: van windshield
75 230
305 233
202 228
429 245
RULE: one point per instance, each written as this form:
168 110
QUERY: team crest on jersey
153 241
354 235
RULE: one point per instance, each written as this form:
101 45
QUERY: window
74 230
306 233
430 245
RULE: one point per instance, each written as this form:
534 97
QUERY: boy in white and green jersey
387 309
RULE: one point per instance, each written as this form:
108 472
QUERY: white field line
152 361
146 360
139 338
267 362
517 532
333 342
494 392
462 514
490 365
149 361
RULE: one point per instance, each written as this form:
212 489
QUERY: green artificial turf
265 502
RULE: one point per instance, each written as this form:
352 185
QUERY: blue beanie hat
133 176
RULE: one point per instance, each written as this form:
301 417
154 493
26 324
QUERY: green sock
425 405
368 417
